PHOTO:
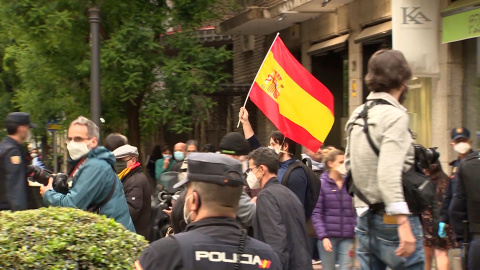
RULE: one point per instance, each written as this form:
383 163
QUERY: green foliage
65 238
46 61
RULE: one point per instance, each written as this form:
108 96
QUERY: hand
43 189
407 239
327 245
243 115
138 266
168 212
441 230
166 162
254 200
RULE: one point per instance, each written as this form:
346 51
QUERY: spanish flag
298 104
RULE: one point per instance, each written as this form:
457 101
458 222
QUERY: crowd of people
249 206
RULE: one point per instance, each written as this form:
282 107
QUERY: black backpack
313 185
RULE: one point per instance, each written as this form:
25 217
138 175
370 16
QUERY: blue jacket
91 186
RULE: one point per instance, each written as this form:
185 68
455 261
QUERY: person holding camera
387 232
14 191
95 185
213 239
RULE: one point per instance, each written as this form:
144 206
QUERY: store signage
415 33
461 26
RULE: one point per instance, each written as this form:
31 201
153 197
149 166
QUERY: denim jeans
341 248
380 249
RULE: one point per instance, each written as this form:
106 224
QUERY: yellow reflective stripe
294 103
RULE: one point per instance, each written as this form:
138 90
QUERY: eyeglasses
77 139
250 169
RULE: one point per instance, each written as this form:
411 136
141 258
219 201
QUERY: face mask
178 155
277 151
120 165
253 181
462 148
77 150
186 217
167 156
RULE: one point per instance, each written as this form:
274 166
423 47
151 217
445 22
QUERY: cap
19 118
213 168
234 143
460 133
125 151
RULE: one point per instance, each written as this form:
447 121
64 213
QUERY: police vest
469 172
200 251
4 149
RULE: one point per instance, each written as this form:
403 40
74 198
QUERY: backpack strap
96 208
291 167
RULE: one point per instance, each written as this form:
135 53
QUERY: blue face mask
178 155
167 156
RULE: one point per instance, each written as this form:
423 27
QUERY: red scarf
128 169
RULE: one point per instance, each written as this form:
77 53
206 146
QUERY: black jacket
280 222
224 234
137 192
466 201
15 194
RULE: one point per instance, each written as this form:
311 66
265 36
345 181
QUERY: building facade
334 40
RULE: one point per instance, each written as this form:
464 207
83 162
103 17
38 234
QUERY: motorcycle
162 200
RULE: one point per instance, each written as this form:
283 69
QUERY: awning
461 20
331 44
374 32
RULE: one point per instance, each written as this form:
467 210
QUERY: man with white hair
95 185
136 187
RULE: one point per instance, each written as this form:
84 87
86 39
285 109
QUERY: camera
424 157
60 180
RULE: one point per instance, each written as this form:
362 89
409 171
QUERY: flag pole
246 99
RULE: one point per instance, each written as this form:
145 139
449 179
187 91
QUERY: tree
143 83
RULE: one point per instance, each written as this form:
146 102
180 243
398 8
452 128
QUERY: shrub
65 238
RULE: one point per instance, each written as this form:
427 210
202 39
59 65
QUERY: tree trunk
133 119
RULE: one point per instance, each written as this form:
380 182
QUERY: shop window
418 104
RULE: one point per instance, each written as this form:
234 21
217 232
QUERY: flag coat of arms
298 104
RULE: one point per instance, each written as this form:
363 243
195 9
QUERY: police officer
14 192
466 202
462 144
212 240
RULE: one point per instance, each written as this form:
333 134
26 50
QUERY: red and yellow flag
298 104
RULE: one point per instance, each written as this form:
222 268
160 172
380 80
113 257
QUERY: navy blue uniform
466 203
210 243
13 178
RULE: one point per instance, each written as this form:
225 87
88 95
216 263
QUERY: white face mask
462 147
253 181
77 150
186 217
277 151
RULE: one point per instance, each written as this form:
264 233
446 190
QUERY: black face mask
120 165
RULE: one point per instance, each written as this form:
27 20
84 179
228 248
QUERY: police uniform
215 242
452 184
14 190
466 202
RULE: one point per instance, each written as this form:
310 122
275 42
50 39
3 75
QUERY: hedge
65 238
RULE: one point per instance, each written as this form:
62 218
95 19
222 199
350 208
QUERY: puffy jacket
91 185
334 216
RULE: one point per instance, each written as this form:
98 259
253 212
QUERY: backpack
313 186
419 191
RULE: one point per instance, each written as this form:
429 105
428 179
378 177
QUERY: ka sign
415 31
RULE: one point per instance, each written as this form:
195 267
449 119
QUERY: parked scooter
162 200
